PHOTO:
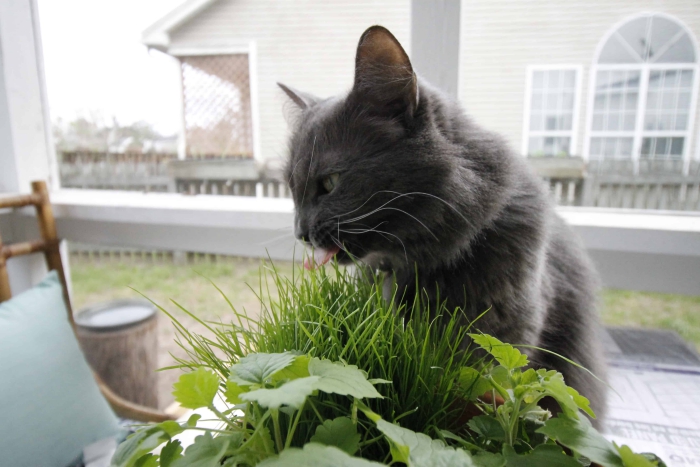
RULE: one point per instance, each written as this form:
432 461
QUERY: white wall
500 39
307 44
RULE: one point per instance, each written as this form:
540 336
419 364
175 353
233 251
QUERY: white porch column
26 149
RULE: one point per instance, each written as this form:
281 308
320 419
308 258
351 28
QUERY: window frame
249 48
573 133
645 69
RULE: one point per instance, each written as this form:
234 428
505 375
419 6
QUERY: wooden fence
659 185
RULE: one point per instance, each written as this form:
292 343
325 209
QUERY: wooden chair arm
130 410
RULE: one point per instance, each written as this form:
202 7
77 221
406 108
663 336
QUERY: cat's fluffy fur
421 186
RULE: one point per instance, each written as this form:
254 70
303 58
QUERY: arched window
644 91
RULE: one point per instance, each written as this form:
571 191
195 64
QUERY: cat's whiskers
412 217
382 232
432 196
279 237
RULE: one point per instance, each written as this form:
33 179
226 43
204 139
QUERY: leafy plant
332 374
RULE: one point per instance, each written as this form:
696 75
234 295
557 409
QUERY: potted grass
331 373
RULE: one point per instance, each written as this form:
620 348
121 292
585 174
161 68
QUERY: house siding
309 45
500 39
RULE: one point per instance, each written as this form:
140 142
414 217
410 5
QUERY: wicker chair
49 245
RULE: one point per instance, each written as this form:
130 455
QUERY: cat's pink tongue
320 258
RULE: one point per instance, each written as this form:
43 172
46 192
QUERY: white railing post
26 149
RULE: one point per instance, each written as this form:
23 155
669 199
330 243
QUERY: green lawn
95 282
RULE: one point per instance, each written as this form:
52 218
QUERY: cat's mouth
320 257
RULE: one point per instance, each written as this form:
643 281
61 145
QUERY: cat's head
375 174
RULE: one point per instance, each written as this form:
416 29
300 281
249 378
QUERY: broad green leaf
339 432
137 445
505 354
554 386
473 382
488 427
292 393
170 453
171 427
580 436
543 455
500 376
630 459
488 459
149 460
233 392
419 450
528 377
192 421
196 389
316 455
206 451
582 402
346 380
257 368
298 369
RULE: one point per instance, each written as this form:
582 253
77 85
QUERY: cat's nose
301 232
302 235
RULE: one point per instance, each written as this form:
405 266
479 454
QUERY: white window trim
645 69
573 133
249 48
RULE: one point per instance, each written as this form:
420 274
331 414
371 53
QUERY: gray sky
95 62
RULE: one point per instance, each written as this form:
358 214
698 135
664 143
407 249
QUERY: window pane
650 39
677 146
681 122
615 102
611 148
538 80
635 34
551 110
601 101
686 79
615 52
597 122
535 146
553 79
662 32
667 101
662 148
548 146
680 52
569 79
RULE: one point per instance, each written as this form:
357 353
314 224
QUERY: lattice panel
216 95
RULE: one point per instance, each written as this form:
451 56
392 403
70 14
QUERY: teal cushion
50 405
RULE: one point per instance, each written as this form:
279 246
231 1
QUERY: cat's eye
330 182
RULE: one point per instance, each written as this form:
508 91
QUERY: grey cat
393 173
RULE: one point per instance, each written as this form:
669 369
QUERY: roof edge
157 35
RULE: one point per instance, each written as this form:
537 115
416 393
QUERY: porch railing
637 250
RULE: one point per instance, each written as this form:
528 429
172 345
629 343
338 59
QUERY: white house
601 78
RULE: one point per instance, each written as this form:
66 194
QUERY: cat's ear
302 99
384 75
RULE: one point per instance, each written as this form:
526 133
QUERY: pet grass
336 314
